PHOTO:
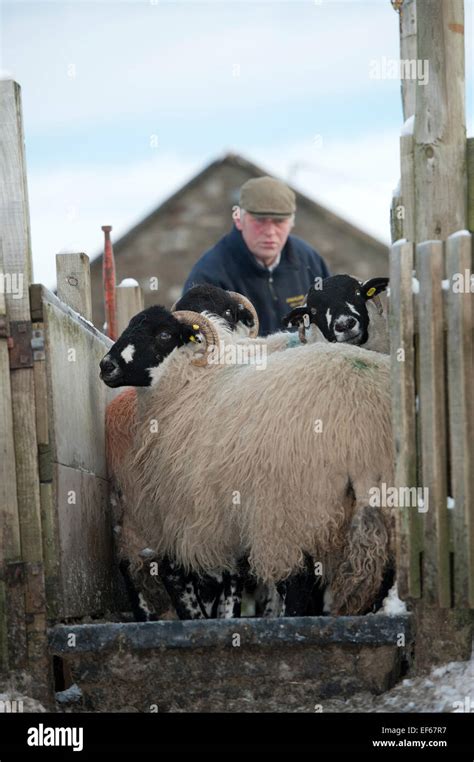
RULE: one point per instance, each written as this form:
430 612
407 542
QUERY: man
259 258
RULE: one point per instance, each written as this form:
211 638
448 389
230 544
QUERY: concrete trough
250 665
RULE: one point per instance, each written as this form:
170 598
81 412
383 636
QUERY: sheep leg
269 602
140 614
231 599
359 575
297 589
209 590
181 587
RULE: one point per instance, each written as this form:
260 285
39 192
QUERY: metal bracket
37 344
19 344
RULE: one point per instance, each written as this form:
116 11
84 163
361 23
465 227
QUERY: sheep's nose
344 324
107 366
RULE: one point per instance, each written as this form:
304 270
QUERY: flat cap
267 197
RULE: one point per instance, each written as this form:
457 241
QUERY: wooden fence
431 331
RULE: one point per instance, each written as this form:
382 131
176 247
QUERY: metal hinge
25 344
19 344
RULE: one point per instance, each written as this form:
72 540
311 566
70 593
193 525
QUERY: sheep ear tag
197 337
373 287
306 320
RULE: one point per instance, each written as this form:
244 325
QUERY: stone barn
165 245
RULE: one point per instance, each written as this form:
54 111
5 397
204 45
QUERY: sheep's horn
253 333
206 327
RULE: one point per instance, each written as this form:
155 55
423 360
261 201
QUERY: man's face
264 236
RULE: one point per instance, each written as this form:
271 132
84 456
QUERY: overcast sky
123 102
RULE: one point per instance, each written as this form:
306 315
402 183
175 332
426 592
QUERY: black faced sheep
344 310
192 598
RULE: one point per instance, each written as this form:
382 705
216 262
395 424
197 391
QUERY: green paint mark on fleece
361 364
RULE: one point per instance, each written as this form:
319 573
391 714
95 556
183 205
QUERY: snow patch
408 126
71 249
392 605
459 234
71 695
128 283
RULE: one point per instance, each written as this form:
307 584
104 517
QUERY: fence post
74 282
436 571
440 129
461 412
129 299
9 522
403 413
14 224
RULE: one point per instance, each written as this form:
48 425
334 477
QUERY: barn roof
238 161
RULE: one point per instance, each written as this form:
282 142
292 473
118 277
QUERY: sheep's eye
228 314
164 335
358 293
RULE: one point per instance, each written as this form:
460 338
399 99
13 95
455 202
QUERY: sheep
344 310
205 451
239 311
238 315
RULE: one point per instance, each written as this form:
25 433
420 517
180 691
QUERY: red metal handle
108 277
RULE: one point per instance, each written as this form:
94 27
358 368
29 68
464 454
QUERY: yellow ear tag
192 338
371 291
196 327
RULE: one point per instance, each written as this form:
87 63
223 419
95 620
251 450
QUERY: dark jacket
231 265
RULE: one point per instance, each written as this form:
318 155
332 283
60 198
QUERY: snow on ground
449 688
12 702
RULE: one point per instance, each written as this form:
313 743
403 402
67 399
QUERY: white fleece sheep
238 468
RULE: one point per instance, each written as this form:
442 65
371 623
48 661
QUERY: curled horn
253 333
206 327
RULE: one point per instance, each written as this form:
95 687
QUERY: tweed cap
267 197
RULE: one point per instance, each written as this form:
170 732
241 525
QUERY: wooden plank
407 184
440 125
86 543
14 212
403 413
77 536
9 522
470 183
129 302
74 350
396 217
408 53
14 224
74 282
436 572
48 513
461 413
3 629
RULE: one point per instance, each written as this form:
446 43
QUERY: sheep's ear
246 317
189 333
297 317
373 287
